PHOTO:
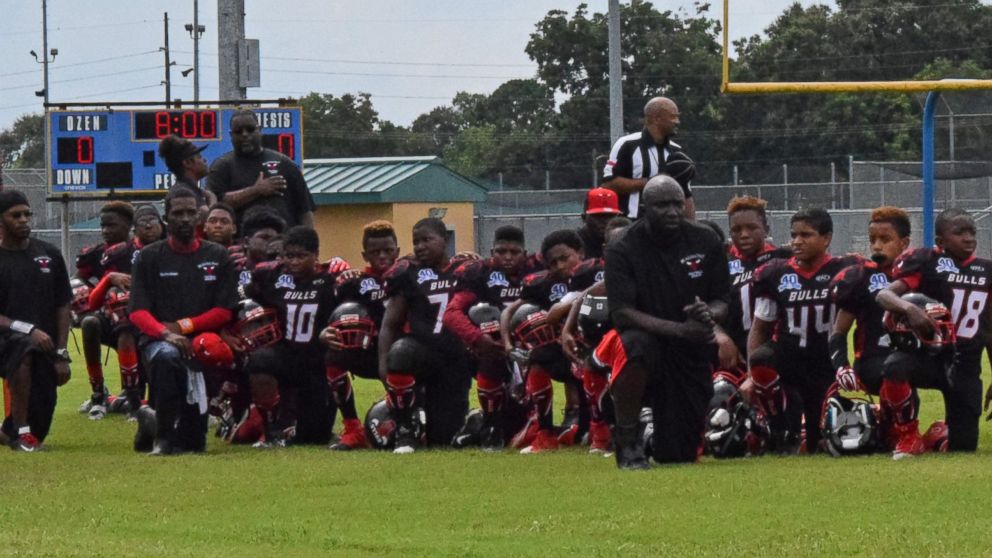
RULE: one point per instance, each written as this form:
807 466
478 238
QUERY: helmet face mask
257 326
531 329
356 329
734 428
904 338
849 425
115 305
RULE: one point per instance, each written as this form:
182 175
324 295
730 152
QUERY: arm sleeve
144 321
212 319
98 293
456 317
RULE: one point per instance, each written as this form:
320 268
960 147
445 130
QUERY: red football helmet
115 305
355 326
80 295
257 326
530 327
904 338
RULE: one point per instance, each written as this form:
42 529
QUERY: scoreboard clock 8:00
96 152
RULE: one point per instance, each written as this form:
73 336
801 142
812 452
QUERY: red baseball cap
602 200
211 350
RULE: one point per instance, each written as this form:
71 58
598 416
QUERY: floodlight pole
929 111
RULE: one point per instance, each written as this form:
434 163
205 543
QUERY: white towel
196 392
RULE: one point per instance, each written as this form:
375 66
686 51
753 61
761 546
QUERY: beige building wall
458 216
340 226
340 229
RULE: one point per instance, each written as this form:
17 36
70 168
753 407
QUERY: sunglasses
244 130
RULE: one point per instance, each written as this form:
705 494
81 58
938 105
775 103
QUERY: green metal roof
387 180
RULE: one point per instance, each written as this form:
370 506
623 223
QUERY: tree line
558 121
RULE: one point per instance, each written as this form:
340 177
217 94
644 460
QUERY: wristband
185 326
21 327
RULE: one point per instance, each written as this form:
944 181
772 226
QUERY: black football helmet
734 428
115 305
355 326
486 316
904 338
257 326
594 319
849 425
530 328
380 426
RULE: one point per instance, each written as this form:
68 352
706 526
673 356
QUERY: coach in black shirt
181 286
251 176
637 157
34 324
667 284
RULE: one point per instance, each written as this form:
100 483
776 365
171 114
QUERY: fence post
850 181
735 178
833 185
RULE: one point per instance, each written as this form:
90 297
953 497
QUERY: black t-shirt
854 290
34 282
231 172
303 305
742 296
962 286
172 285
427 292
661 277
366 289
799 303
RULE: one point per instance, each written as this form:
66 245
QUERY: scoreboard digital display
95 152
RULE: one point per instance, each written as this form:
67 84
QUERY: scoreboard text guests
96 151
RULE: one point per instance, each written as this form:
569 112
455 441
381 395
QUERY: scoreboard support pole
66 245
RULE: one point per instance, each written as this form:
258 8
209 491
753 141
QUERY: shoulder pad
266 266
911 261
535 279
470 270
399 268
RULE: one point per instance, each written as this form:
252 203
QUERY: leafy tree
23 144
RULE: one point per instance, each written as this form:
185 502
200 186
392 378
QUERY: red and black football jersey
800 303
742 297
367 289
303 305
854 290
544 291
489 283
586 274
119 257
962 286
427 292
88 267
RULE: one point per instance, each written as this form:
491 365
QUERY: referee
666 336
181 286
637 157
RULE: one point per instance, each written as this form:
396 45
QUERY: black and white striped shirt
636 156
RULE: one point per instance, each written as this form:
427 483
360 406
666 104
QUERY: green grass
90 494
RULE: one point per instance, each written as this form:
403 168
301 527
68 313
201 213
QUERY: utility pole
168 62
195 31
44 93
616 80
230 34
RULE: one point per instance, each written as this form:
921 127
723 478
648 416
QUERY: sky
410 55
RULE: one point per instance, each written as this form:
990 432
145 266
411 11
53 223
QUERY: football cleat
910 443
118 403
352 437
544 442
470 433
935 438
26 443
96 398
599 437
406 440
97 412
568 431
630 453
492 439
526 435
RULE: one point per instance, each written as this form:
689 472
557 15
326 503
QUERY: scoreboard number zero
96 152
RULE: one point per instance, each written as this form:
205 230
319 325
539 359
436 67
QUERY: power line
86 63
84 78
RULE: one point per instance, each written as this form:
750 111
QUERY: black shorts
13 348
553 360
805 382
361 363
110 333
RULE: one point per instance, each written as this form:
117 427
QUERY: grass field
90 494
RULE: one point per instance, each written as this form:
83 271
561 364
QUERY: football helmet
849 425
530 328
380 426
115 305
594 319
256 326
734 428
355 326
904 338
486 316
80 298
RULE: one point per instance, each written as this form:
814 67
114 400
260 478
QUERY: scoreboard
96 152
